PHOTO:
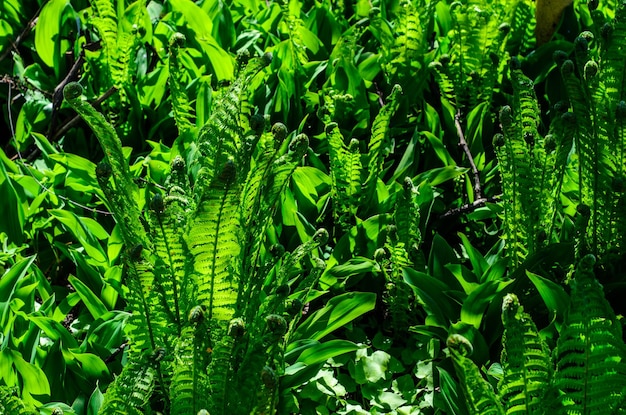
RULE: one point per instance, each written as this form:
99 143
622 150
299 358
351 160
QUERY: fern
186 253
478 51
527 164
406 57
590 353
378 142
180 102
480 397
118 44
213 241
189 387
11 404
131 390
407 216
525 361
166 221
590 375
220 370
126 212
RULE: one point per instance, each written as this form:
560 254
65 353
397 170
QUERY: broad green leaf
479 264
87 363
440 148
11 208
431 292
223 64
464 276
441 255
371 368
52 329
81 228
95 402
553 295
451 394
478 300
9 284
47 31
440 175
92 302
338 312
34 381
321 352
196 18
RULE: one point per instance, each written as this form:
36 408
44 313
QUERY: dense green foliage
311 207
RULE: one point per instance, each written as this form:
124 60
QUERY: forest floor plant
344 260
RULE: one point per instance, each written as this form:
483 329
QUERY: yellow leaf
548 13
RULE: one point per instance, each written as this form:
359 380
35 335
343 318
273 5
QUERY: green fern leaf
126 212
147 327
378 141
131 390
180 102
525 361
406 57
189 388
11 404
480 397
167 220
213 238
590 354
221 370
407 216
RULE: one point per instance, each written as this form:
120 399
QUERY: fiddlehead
479 395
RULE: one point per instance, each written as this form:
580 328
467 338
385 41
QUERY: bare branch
468 154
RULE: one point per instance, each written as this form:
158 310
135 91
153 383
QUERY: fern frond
10 403
478 49
189 388
167 220
183 113
147 326
221 370
405 58
407 216
379 139
516 181
105 21
613 60
339 154
283 168
268 147
590 355
394 258
131 390
220 140
118 45
480 397
126 213
213 238
523 25
525 361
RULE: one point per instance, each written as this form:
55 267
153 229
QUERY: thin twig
468 208
29 26
57 96
463 144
